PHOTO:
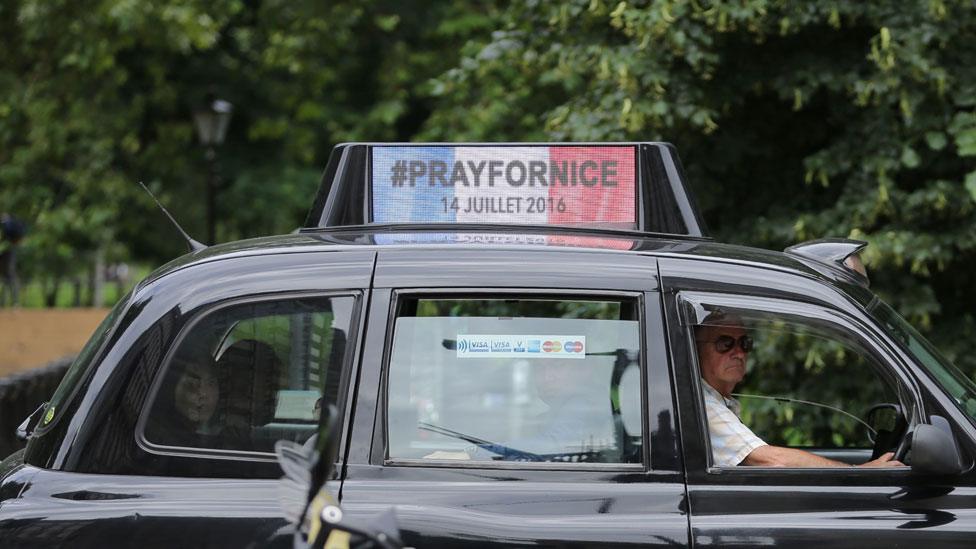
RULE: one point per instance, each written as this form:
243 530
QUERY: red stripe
588 192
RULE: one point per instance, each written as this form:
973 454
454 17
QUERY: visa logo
501 347
479 347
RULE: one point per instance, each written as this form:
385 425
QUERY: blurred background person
12 231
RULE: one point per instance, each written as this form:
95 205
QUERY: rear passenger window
522 379
248 375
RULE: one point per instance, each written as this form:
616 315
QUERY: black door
560 434
826 367
178 426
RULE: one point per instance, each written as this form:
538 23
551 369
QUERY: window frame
380 451
887 364
152 448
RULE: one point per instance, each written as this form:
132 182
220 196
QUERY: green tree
97 96
795 120
70 130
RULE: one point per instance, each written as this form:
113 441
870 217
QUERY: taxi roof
534 239
611 197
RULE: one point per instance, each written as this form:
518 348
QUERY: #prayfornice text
514 173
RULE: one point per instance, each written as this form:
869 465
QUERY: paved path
33 337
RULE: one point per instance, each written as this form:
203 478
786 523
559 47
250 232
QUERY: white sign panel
521 346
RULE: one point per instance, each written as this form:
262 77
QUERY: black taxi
511 335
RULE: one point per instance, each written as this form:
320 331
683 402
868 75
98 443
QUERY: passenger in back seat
248 373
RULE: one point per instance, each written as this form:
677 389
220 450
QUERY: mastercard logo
551 346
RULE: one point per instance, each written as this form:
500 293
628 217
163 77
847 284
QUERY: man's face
723 371
556 379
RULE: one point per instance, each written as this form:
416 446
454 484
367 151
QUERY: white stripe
496 197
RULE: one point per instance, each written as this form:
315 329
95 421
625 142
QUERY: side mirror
26 428
887 421
305 468
935 450
296 462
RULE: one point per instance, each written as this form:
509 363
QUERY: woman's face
196 393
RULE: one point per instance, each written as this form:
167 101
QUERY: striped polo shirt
732 441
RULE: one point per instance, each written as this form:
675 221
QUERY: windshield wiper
506 453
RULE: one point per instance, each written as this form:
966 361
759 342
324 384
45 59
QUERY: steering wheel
897 439
904 445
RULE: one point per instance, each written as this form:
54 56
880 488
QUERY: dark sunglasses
726 343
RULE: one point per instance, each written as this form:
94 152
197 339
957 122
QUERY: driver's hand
886 460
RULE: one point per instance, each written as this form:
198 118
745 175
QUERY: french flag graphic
536 185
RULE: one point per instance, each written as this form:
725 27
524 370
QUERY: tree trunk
51 292
97 280
76 287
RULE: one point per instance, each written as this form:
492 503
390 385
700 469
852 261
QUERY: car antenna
192 244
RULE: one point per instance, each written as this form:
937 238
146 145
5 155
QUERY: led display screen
536 185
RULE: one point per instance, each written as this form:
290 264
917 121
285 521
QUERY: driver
573 427
576 417
722 354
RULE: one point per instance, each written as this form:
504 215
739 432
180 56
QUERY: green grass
32 292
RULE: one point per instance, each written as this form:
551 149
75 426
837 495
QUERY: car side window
245 376
528 379
811 388
807 383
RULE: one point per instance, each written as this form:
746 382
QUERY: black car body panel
88 510
69 489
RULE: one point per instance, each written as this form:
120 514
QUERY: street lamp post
211 121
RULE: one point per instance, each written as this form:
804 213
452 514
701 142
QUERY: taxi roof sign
617 186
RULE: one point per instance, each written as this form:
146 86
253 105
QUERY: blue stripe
420 203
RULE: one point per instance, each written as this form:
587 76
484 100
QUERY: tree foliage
97 96
795 120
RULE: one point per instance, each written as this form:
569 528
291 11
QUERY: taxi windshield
956 383
70 381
